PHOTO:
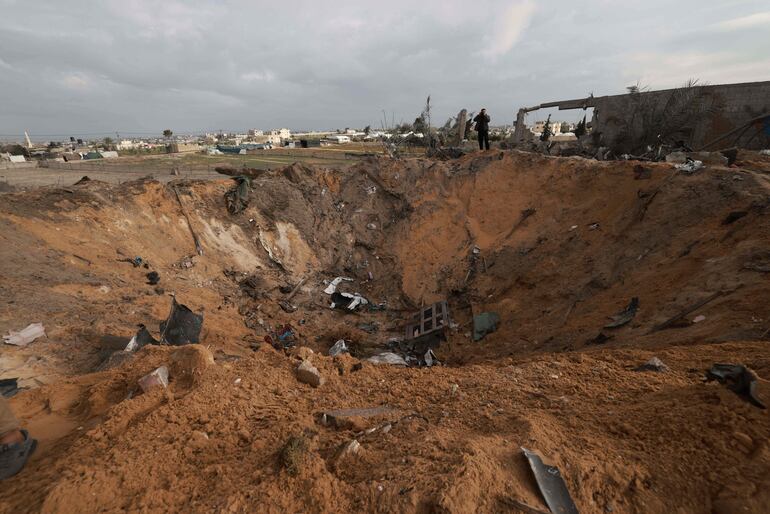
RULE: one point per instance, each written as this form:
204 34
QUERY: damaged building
694 116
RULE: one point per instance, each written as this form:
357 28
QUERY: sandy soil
563 244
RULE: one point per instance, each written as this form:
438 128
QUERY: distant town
25 149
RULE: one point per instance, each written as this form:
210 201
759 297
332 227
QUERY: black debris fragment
739 379
551 485
181 327
9 387
624 316
153 278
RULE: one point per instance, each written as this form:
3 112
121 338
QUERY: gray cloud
142 66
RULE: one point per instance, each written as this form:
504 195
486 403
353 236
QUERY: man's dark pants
483 139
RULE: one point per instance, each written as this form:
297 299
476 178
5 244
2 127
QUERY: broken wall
695 115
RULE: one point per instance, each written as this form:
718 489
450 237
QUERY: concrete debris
676 158
338 348
699 318
309 374
158 378
25 336
387 358
350 448
654 364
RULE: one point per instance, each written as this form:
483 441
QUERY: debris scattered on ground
153 278
295 289
673 320
157 378
252 286
654 364
135 261
182 326
237 198
338 348
624 316
25 336
347 301
430 359
282 338
739 379
309 374
287 307
387 358
347 449
691 166
429 321
551 484
9 387
699 318
484 323
332 287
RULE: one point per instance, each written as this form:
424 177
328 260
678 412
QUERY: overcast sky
137 66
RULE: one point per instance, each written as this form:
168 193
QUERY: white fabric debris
332 287
26 336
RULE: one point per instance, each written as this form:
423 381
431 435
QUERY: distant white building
339 139
255 133
126 144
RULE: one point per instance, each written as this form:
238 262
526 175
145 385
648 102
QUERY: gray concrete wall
696 117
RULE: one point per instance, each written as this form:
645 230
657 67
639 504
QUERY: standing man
15 444
482 127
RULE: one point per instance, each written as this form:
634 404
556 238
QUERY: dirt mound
624 440
555 246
